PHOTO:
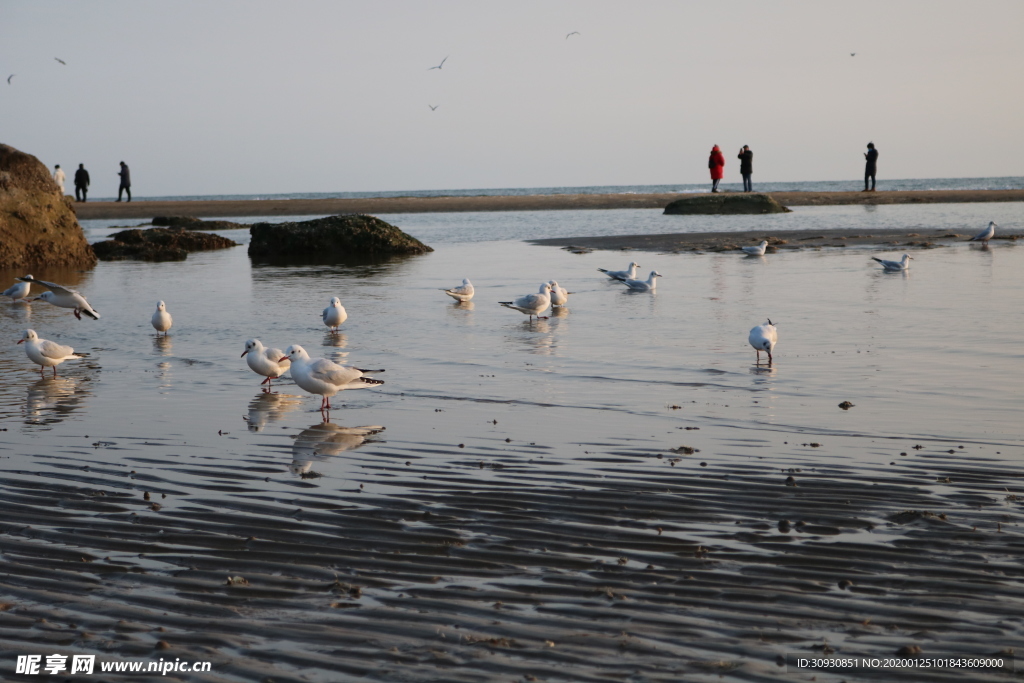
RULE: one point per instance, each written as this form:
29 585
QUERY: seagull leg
265 381
55 372
758 356
77 314
769 359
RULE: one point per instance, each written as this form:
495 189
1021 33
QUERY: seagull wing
442 62
54 350
530 301
10 77
332 373
61 61
56 289
275 355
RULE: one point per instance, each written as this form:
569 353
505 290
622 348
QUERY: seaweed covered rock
335 238
158 244
193 223
38 226
725 203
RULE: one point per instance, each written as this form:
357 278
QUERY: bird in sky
439 65
433 106
61 61
574 33
10 77
853 54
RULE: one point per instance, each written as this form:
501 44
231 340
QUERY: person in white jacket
58 177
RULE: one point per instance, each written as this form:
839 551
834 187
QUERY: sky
230 97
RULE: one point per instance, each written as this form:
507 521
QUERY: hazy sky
267 97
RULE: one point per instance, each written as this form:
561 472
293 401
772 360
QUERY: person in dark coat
126 182
746 158
716 164
871 167
81 183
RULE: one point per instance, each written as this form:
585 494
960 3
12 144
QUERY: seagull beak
243 353
20 340
282 358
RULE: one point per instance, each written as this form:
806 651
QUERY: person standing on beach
716 163
81 183
871 167
746 158
126 182
58 177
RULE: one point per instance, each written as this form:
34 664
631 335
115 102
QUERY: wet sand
311 207
777 240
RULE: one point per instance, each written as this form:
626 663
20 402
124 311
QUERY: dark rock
726 204
192 223
38 226
331 239
158 244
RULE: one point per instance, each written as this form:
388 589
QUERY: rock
196 224
751 202
38 226
846 405
158 244
331 239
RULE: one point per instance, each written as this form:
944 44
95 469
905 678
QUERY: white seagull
64 297
532 304
763 338
622 274
19 290
264 361
321 376
647 285
895 266
559 297
463 292
985 235
45 353
334 315
161 318
758 250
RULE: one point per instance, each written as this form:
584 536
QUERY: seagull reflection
18 311
162 344
335 339
52 399
762 370
266 408
559 312
327 439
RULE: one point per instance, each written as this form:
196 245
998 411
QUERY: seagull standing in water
559 297
321 376
532 304
264 361
763 338
335 314
985 235
647 285
758 250
622 274
462 293
161 320
19 290
45 353
64 297
895 266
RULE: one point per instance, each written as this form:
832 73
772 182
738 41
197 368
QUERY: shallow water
478 400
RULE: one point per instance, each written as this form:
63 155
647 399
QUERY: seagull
61 61
574 33
45 353
264 361
642 285
334 315
531 304
64 297
985 235
758 250
895 266
462 293
622 274
764 338
19 290
161 319
10 77
439 65
321 376
559 297
432 106
853 54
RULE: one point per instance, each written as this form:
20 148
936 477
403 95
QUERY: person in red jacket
716 163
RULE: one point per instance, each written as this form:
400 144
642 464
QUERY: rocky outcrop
331 239
38 226
158 244
196 223
725 203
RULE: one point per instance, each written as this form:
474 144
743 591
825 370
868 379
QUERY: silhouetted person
871 167
126 182
58 177
81 183
746 158
716 164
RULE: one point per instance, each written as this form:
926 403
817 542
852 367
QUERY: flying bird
10 77
574 33
853 54
433 106
61 61
439 65
64 297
